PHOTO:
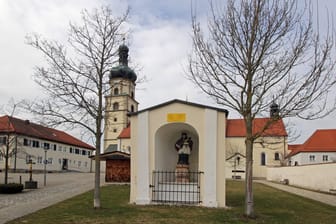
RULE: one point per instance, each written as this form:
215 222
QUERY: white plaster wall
321 177
209 157
142 161
303 158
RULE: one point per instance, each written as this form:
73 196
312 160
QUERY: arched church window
116 106
263 159
132 108
276 156
116 91
132 95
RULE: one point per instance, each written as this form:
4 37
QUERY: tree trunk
6 160
249 205
96 197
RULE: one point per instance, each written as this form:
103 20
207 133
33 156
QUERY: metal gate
169 188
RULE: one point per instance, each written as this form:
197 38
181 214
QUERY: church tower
120 101
274 110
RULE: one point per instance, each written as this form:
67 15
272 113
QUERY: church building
179 152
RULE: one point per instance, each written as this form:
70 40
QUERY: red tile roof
126 132
14 125
293 147
320 141
236 127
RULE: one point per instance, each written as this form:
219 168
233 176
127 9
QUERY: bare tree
76 76
256 52
8 142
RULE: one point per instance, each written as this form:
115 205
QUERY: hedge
11 188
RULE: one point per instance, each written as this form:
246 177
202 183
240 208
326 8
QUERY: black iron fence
171 187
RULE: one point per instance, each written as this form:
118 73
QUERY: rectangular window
55 147
26 142
83 152
3 140
71 151
76 151
325 158
46 145
79 163
85 164
39 159
28 157
89 153
50 160
60 148
59 161
311 158
36 144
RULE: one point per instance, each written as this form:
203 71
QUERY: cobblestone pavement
60 186
321 197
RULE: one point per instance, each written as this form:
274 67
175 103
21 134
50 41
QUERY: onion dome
122 70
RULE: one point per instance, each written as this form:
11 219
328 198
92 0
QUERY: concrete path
60 186
324 198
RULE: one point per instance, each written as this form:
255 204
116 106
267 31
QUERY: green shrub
11 188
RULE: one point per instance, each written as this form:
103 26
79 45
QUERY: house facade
320 147
27 141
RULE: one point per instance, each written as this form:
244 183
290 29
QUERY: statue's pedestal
182 173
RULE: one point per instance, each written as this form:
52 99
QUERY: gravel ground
60 186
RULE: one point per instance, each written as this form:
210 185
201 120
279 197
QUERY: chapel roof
181 102
15 125
322 140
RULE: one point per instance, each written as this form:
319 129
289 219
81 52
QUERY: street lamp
45 166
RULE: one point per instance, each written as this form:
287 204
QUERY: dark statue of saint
184 146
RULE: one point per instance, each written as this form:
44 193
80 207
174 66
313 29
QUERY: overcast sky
159 43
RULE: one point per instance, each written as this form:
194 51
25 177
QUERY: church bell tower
120 101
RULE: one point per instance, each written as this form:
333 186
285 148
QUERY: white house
29 141
318 148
